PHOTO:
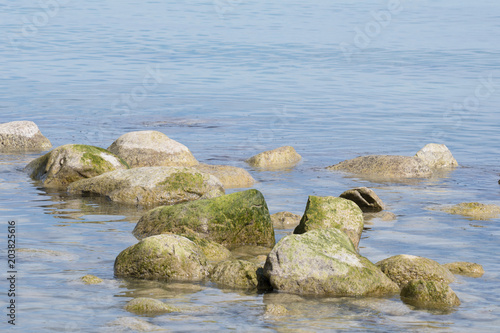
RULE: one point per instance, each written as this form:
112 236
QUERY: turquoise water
230 79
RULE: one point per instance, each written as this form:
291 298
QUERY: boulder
436 156
239 274
151 185
404 268
213 251
324 262
285 220
365 198
236 219
282 157
90 279
465 268
22 136
69 163
162 257
429 294
474 210
151 148
230 176
332 212
148 306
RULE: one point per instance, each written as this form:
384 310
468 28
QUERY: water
230 79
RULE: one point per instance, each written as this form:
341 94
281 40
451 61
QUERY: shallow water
230 79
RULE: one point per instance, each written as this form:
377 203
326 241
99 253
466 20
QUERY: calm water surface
229 79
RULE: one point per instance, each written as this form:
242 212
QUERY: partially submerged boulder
239 274
404 268
282 157
90 279
332 212
148 306
285 220
324 262
465 268
69 163
151 148
236 219
429 294
230 176
474 210
22 136
213 251
437 156
163 257
365 198
151 185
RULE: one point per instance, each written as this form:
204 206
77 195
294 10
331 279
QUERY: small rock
285 220
22 136
91 279
149 306
383 215
134 324
465 268
275 310
230 176
365 198
474 210
429 294
282 157
151 148
240 274
436 156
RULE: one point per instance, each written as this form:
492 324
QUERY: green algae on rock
285 220
465 268
22 136
69 163
282 157
365 198
429 294
332 212
474 210
404 268
163 257
230 176
213 251
91 279
324 262
236 219
239 274
151 185
149 307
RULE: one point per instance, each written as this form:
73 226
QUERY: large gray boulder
69 163
151 185
230 176
282 157
324 262
332 212
22 136
151 148
236 219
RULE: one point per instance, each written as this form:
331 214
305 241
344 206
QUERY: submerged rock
69 163
230 176
165 257
151 185
429 294
91 279
365 198
332 212
281 157
275 310
474 210
437 156
285 220
22 136
324 262
236 219
404 268
465 268
149 306
132 324
151 148
240 274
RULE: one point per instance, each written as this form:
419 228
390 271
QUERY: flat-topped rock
282 157
22 136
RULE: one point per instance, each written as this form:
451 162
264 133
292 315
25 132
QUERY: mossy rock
465 268
282 157
239 274
163 257
474 210
213 251
429 295
230 176
236 219
22 136
324 262
91 279
404 268
149 307
332 212
69 163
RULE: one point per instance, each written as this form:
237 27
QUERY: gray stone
365 198
22 136
437 156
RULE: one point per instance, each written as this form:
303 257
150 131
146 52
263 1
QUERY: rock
132 324
230 176
324 262
474 210
404 268
22 136
365 198
149 306
285 220
465 268
90 279
151 185
151 148
429 294
239 274
252 253
384 216
332 212
213 251
275 310
69 163
282 157
165 257
236 219
436 156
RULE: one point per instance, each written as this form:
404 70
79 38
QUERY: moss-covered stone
429 294
149 307
240 218
91 279
164 257
404 268
465 268
69 163
239 274
365 198
324 262
213 251
285 220
22 136
332 212
282 157
230 176
474 210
